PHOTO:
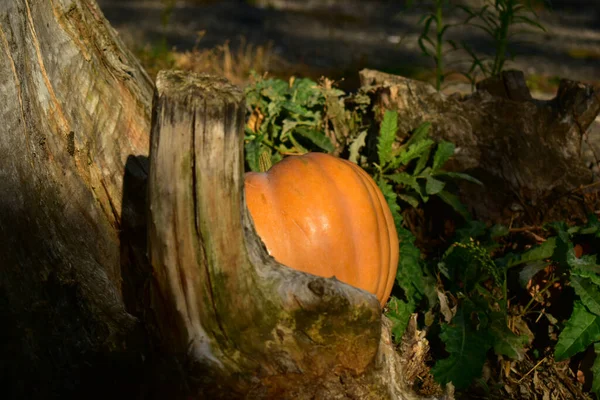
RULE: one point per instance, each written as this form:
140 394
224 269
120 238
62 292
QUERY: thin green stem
506 17
552 281
439 22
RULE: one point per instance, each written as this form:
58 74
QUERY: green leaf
529 21
581 330
588 292
399 313
317 138
253 150
459 175
467 347
415 150
307 93
592 227
506 342
404 179
586 262
288 125
444 151
295 108
586 267
433 186
392 200
419 134
297 146
541 252
410 272
596 371
387 136
529 270
414 202
454 202
421 163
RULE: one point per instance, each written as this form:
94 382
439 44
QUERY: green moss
324 324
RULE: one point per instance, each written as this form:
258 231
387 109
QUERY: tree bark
527 152
74 106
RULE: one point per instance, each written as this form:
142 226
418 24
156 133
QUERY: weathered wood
77 299
74 104
247 323
527 152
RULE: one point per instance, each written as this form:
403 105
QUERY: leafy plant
467 340
497 19
477 283
298 116
414 167
168 6
583 274
285 118
409 174
436 48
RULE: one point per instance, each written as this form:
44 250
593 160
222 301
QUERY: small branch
532 369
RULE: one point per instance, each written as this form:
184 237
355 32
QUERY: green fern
387 136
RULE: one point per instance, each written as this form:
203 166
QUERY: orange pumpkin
326 216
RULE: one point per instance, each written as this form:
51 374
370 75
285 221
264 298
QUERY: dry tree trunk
243 321
75 112
527 152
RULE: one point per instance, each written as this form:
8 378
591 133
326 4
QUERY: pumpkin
326 216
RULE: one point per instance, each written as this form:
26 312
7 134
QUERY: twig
526 229
580 188
531 370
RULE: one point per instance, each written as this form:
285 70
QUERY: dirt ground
375 34
347 36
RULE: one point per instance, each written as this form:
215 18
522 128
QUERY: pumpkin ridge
381 239
340 195
391 229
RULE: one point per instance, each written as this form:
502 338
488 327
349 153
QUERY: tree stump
246 325
527 152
